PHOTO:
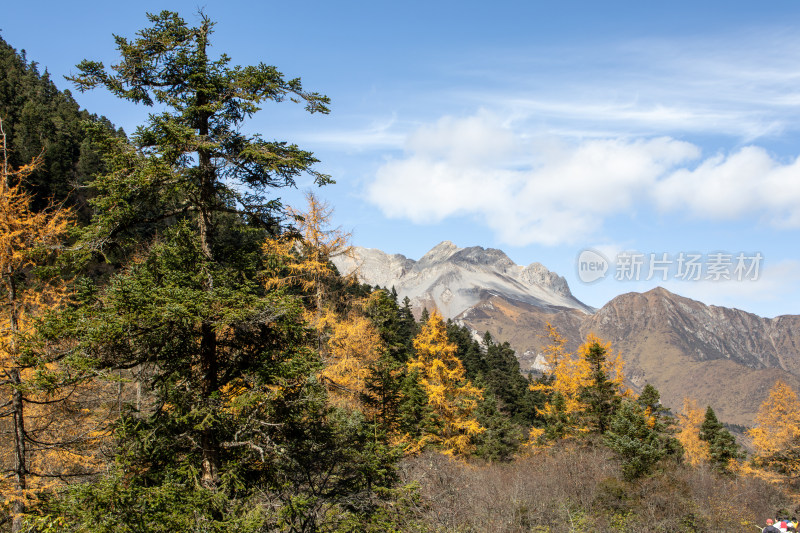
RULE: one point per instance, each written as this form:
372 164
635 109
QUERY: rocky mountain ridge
719 356
454 279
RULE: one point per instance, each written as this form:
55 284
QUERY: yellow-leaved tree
452 398
565 377
690 419
47 432
776 436
307 254
348 343
572 387
353 345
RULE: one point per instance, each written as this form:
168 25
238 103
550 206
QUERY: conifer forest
178 353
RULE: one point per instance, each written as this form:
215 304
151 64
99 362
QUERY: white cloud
747 182
549 190
544 191
466 141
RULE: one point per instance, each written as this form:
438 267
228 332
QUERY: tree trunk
20 460
208 337
18 410
208 438
208 340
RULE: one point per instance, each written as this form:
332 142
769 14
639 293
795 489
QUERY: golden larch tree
690 419
308 252
451 396
776 436
567 376
302 259
353 345
47 431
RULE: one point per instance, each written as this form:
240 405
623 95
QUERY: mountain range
723 357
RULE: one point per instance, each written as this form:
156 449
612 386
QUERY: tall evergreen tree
236 411
502 438
601 394
468 350
660 419
722 446
638 443
192 161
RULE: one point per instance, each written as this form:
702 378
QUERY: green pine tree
722 446
235 433
383 395
660 419
188 162
601 395
639 444
502 438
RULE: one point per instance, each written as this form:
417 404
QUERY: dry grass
578 489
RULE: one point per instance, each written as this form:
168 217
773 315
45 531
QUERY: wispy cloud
377 134
745 86
560 140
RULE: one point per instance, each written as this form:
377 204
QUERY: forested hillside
41 121
180 354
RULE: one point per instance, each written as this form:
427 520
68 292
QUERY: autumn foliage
48 432
690 419
273 393
304 257
570 382
353 345
776 436
452 397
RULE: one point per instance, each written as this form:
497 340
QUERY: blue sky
542 129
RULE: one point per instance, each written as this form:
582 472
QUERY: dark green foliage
601 395
650 399
722 446
505 381
192 159
38 119
415 415
469 351
331 467
408 326
639 445
508 408
235 433
496 368
396 398
326 471
660 418
502 438
559 425
424 316
384 392
395 325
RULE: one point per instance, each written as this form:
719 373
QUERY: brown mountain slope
523 325
722 357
